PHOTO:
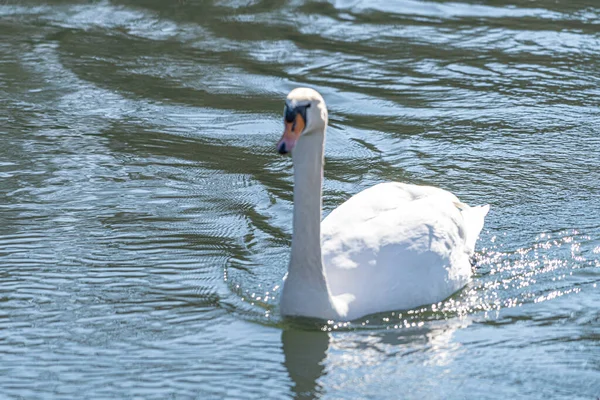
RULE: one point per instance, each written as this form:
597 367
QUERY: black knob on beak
282 149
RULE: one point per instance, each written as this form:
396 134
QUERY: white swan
393 246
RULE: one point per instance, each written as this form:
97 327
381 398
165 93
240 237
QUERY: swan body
393 246
397 246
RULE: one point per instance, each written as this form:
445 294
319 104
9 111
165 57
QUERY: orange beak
291 134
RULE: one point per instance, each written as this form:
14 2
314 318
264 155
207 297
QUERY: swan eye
289 113
292 110
302 112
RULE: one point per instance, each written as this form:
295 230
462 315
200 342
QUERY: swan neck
308 180
306 292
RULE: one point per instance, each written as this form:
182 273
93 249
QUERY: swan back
398 246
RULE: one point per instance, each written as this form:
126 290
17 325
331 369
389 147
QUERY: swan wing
398 246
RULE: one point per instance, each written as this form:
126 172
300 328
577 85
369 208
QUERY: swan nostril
282 149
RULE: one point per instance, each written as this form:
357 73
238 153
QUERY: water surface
145 217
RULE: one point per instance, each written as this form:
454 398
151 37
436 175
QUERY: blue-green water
145 217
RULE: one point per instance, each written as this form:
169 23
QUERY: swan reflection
305 353
310 356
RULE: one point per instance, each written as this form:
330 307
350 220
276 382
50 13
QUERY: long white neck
305 292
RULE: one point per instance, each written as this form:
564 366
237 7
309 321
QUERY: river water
145 216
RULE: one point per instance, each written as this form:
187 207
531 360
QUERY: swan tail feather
474 218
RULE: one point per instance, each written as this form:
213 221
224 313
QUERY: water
145 217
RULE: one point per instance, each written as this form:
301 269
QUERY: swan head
304 114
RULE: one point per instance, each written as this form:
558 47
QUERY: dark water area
145 217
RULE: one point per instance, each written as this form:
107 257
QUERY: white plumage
396 246
393 246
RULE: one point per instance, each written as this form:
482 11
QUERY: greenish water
145 216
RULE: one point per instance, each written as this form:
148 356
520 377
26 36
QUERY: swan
393 246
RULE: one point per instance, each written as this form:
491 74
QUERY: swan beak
291 133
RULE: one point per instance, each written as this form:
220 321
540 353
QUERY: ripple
447 9
146 221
